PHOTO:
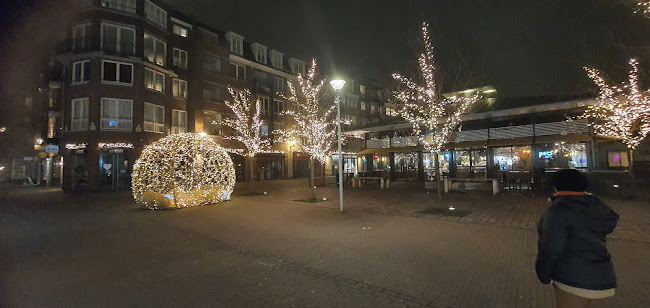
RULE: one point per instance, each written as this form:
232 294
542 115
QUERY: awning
393 149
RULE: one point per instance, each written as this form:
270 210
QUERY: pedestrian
572 255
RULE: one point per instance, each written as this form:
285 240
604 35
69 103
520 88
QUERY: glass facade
562 155
513 158
471 163
429 164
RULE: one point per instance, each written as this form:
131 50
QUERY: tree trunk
251 171
438 186
311 179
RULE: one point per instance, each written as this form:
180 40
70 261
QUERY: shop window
617 159
563 155
513 158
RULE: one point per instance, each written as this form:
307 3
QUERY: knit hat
570 180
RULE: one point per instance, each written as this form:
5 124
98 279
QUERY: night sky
523 47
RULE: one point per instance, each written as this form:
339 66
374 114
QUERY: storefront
270 166
511 158
470 163
429 164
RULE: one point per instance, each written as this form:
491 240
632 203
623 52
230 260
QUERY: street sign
53 149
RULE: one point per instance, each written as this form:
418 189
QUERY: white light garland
315 127
182 170
643 7
114 145
623 112
246 123
427 109
76 146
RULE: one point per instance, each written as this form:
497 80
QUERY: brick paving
100 250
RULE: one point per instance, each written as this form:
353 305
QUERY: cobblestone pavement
267 250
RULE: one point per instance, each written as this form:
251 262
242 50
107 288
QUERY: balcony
118 48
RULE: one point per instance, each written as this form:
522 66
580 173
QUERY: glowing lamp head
337 84
203 134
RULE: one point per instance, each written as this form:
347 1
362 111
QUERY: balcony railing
155 57
120 48
118 6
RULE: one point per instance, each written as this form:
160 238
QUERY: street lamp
338 85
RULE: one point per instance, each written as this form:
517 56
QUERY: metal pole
338 117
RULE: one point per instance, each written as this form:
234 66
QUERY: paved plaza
269 250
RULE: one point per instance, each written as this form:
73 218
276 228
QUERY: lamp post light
338 85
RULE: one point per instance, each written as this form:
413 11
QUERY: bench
495 183
357 181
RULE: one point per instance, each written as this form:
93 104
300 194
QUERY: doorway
114 171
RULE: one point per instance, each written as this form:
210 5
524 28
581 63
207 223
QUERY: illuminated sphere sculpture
182 170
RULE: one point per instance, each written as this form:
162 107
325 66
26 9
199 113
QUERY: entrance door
114 172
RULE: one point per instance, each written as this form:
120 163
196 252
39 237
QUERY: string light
182 170
246 124
622 112
643 7
425 107
315 127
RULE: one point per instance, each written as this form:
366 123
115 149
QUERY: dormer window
260 52
276 59
297 66
236 43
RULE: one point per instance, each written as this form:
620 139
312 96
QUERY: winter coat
571 245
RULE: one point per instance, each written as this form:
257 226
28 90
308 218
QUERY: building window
265 105
237 71
236 44
116 114
211 63
363 105
154 118
212 123
80 71
180 58
179 88
260 52
179 121
118 39
117 72
276 59
279 84
155 14
211 92
127 6
264 129
155 50
154 80
79 114
80 37
279 106
180 31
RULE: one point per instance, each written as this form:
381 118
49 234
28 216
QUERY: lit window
179 88
116 114
212 123
154 80
79 114
80 71
179 121
154 118
117 72
265 105
180 31
155 50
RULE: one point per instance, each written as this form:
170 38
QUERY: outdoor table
357 181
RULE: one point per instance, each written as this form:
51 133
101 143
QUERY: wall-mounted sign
76 146
546 154
114 145
52 149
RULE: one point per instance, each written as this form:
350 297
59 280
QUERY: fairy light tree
427 109
622 112
643 7
246 123
315 129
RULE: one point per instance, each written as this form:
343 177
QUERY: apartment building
132 71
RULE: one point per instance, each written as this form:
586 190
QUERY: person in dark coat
572 254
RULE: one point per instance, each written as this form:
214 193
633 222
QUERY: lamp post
338 85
